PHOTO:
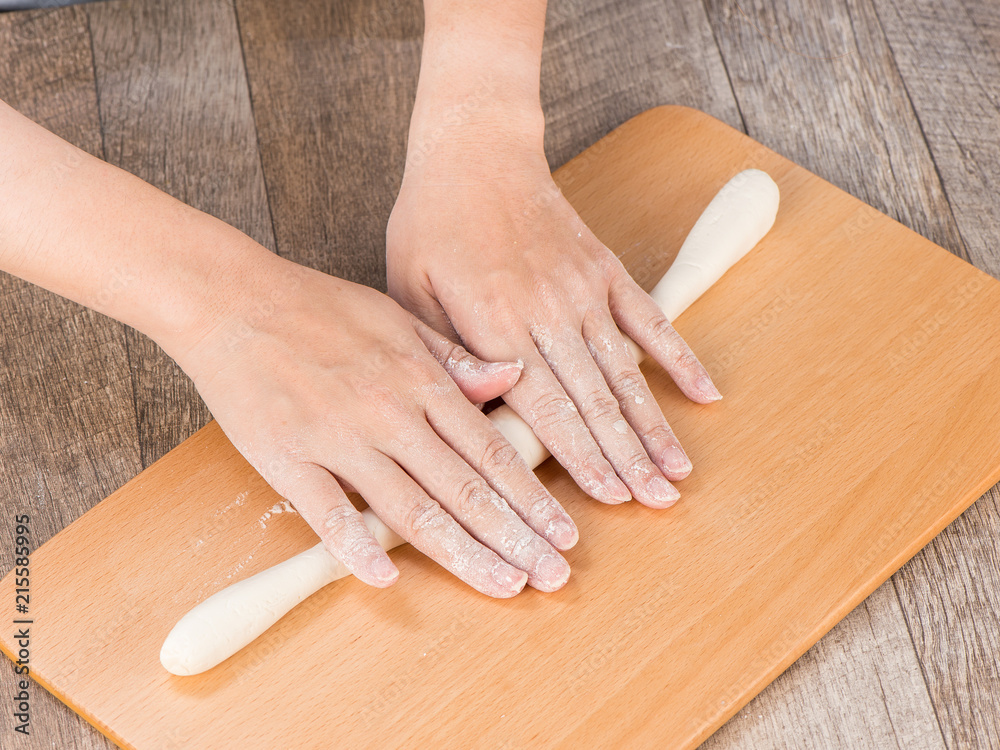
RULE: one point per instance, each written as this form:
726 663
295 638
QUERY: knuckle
470 496
684 359
498 453
659 329
637 465
540 507
280 464
608 264
344 531
659 433
519 546
329 416
357 546
554 410
457 354
627 382
382 399
547 295
480 559
337 524
601 406
288 443
504 317
420 370
423 516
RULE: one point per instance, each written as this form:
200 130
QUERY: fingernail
663 491
707 387
676 460
562 533
383 569
509 577
552 572
615 486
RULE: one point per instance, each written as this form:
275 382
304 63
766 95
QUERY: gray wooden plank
604 62
333 86
950 594
67 432
821 87
176 112
949 58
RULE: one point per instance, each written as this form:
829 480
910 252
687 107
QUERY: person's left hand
483 247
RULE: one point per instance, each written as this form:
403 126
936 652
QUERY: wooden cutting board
859 364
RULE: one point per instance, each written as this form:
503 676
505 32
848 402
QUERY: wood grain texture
949 59
176 112
949 62
677 622
333 86
67 427
600 60
821 87
921 82
825 88
860 687
604 62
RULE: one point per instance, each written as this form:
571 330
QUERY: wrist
479 78
212 272
501 42
478 95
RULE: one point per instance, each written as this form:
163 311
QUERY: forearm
479 78
104 238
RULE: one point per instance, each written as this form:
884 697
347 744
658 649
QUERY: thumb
480 381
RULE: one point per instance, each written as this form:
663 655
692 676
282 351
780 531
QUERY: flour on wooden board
283 507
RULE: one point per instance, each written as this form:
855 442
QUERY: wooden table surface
288 120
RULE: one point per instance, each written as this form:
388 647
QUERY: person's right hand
323 384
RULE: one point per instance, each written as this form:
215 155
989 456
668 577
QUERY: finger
473 437
321 502
540 401
637 403
482 512
406 509
642 319
479 381
576 370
